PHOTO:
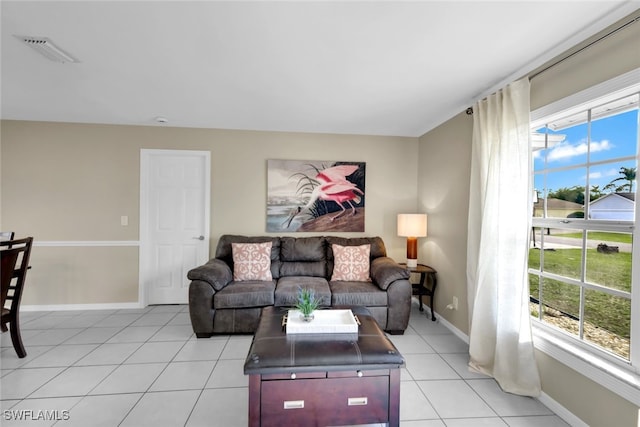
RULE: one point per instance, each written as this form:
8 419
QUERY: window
581 261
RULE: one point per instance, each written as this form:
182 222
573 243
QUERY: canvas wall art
318 196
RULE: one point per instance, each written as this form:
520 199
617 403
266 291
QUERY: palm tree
628 175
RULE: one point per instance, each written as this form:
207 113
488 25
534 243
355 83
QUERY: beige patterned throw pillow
251 261
351 263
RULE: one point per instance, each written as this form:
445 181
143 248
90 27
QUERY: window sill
619 379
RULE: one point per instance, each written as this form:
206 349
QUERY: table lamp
412 226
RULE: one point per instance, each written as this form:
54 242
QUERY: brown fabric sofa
220 305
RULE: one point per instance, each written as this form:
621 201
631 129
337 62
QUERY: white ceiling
354 67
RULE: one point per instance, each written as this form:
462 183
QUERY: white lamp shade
412 225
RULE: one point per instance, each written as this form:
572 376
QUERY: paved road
567 242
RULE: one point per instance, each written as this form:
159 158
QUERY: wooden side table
424 286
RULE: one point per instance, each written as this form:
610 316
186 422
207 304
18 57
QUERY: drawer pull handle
293 404
357 401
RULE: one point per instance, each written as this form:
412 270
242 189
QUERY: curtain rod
598 40
469 110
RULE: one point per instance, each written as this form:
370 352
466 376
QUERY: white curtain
500 209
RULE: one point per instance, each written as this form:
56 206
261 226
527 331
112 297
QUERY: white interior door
174 222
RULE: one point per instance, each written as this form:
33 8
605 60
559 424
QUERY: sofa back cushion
224 250
303 256
299 256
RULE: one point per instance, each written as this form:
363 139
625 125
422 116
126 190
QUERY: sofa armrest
201 308
399 308
215 272
384 271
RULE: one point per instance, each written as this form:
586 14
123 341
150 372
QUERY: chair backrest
6 235
14 258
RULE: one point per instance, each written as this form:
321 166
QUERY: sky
612 138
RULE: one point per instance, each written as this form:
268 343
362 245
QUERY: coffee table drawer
332 401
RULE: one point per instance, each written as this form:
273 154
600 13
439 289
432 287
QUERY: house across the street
618 206
557 208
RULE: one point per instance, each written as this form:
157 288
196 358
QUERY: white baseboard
457 332
75 307
561 411
544 398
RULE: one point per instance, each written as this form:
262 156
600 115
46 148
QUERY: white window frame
617 375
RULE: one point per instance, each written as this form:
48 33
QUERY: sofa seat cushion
287 290
249 293
366 294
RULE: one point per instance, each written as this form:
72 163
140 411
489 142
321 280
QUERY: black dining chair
14 258
6 235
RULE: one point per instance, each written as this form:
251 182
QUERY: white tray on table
325 321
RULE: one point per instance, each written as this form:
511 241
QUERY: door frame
145 163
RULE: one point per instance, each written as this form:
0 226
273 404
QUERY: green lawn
601 309
602 236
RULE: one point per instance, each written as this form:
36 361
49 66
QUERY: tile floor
146 368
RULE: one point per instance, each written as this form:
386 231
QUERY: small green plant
307 301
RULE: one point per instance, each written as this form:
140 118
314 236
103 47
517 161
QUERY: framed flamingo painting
315 196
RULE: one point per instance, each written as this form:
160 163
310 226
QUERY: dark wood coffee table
322 379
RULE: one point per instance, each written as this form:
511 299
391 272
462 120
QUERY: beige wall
443 191
444 175
76 181
594 404
609 58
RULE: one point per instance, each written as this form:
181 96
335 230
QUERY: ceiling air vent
47 48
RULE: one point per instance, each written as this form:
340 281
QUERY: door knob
199 238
